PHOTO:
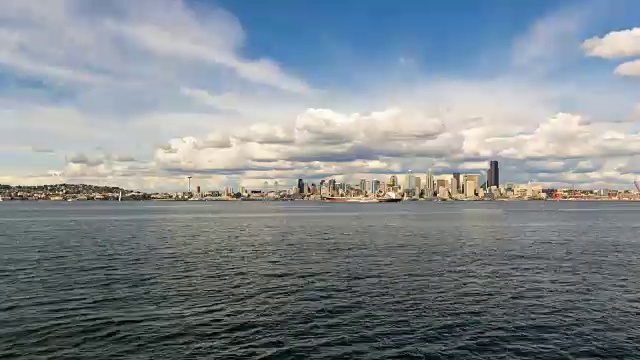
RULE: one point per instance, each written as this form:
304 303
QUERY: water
164 280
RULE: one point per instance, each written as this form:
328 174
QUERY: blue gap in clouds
325 39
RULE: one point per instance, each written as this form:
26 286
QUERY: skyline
143 94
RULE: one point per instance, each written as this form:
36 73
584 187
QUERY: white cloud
127 41
128 75
616 44
630 68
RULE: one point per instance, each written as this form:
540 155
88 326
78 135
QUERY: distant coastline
84 192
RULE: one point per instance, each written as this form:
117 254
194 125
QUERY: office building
458 187
301 186
418 186
429 186
470 187
363 185
409 182
375 186
493 175
393 180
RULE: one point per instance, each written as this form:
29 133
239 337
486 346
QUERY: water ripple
294 281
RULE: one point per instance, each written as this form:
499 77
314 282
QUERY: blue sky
141 94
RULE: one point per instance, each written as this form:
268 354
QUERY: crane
637 184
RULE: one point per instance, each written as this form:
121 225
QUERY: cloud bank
143 93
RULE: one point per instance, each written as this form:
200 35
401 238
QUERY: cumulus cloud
630 68
614 45
132 74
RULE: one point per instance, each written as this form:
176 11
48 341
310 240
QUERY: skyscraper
429 186
418 185
409 181
493 175
375 186
393 180
363 185
458 186
301 186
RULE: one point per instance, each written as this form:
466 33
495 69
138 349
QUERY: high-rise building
409 181
458 186
454 185
418 185
393 180
301 186
375 186
493 175
470 187
363 185
332 186
198 189
429 186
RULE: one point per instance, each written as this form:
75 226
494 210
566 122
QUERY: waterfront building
418 186
470 187
301 189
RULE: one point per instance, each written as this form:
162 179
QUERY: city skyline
143 94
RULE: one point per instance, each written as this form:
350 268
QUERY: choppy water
157 280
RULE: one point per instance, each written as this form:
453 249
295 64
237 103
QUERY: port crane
637 184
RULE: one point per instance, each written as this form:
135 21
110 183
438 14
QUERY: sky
141 94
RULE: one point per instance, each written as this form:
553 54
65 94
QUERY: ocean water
304 280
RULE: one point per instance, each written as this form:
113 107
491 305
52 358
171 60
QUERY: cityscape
411 186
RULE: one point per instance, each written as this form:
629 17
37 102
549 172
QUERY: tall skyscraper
393 180
332 187
418 184
493 175
458 186
409 181
301 186
375 186
363 185
429 186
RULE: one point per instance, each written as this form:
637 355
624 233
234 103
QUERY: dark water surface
164 280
